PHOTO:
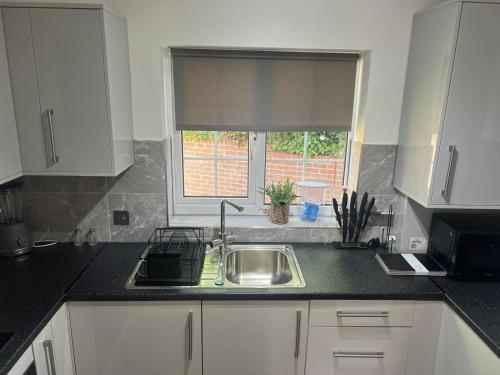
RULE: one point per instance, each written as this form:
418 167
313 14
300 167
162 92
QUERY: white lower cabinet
348 337
254 337
147 338
52 347
461 351
357 350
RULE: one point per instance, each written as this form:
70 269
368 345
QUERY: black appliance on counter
467 245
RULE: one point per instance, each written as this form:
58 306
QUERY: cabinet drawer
361 313
357 350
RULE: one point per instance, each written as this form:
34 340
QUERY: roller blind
263 91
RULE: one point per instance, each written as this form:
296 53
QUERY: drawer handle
340 354
362 314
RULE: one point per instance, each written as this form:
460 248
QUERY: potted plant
282 196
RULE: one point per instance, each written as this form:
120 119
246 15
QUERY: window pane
317 157
326 145
199 178
232 178
285 145
215 164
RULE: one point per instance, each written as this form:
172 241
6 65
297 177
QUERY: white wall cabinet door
69 58
254 337
427 77
472 121
449 141
72 95
461 351
10 159
147 338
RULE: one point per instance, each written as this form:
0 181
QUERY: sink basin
266 266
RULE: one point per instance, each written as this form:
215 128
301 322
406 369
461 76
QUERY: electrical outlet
418 243
121 218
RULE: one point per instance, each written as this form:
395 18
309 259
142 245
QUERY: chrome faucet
223 240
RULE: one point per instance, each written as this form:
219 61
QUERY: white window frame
254 203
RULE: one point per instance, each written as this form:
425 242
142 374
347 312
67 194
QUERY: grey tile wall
57 205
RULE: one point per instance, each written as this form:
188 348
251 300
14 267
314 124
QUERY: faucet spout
223 203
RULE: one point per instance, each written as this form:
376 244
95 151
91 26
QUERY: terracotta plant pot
279 214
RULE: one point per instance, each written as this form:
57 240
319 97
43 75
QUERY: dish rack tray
172 256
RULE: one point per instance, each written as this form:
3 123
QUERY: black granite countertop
478 303
329 274
32 288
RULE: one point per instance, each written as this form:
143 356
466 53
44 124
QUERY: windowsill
256 222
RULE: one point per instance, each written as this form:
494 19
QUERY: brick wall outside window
233 174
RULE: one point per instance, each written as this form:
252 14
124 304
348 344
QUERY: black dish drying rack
172 256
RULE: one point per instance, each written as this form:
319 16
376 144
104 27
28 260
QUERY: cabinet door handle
297 334
445 191
50 153
190 335
362 314
49 357
341 354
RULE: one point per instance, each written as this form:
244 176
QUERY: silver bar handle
50 114
362 314
190 335
341 354
49 357
445 191
297 334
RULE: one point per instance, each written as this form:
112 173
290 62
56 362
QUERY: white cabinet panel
424 337
472 121
357 350
147 338
10 159
52 348
61 335
254 337
424 101
361 313
70 77
69 58
449 139
461 351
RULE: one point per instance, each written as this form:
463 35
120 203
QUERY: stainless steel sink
264 266
244 266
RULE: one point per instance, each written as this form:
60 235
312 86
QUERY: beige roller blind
263 91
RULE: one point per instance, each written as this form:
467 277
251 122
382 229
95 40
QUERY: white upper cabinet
10 160
71 85
449 141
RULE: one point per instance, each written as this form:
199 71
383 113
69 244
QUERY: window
215 164
246 119
307 156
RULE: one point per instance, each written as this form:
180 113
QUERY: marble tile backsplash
57 205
